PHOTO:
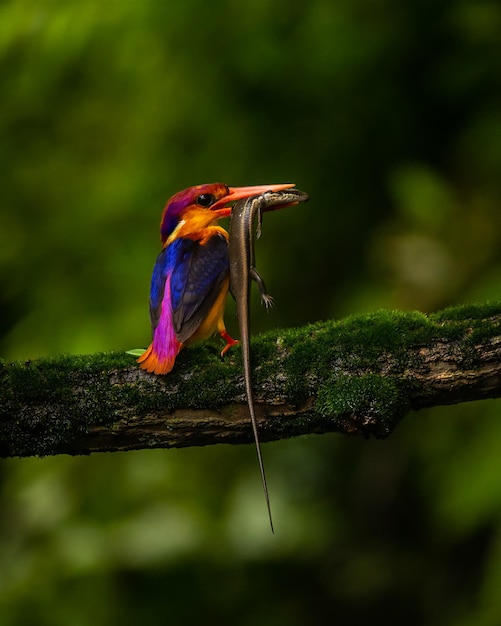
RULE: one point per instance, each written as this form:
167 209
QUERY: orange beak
240 193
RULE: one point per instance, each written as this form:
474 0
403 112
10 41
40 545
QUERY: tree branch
361 375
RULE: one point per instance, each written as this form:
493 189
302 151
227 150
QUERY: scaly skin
242 270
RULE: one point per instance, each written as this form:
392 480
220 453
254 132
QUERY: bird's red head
214 197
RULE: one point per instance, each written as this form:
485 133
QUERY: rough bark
361 375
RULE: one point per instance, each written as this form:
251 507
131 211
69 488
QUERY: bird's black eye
205 199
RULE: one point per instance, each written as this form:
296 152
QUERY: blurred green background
388 113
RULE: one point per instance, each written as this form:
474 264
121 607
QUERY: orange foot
230 342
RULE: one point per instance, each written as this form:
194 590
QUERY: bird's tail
152 362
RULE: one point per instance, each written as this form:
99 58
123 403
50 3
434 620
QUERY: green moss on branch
360 375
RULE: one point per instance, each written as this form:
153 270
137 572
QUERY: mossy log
360 375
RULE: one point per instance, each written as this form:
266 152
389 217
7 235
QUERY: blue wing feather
196 282
197 272
157 288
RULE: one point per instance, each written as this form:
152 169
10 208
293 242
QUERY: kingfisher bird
190 278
